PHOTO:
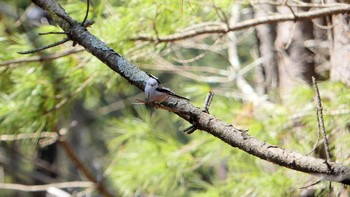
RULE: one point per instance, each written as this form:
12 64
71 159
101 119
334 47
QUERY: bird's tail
180 97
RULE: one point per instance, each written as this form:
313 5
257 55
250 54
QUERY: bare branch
52 32
320 120
44 47
206 106
71 96
80 165
300 4
41 58
35 188
26 136
222 29
317 141
87 12
312 184
208 101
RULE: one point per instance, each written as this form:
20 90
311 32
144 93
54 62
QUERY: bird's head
152 82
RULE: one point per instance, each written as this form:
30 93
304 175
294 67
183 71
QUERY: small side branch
36 188
87 12
318 138
320 120
312 184
41 58
52 32
27 136
208 101
45 47
207 104
84 23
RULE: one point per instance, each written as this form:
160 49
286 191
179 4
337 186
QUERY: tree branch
45 47
40 58
79 164
320 121
35 188
222 29
206 122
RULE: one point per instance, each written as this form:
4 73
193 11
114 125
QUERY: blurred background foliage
135 149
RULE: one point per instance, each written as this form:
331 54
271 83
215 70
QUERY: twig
318 138
312 184
45 47
190 129
201 55
41 58
87 12
84 23
52 32
320 121
26 136
35 188
71 96
116 105
208 101
207 104
291 9
221 14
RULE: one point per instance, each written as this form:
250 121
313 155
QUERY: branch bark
223 29
235 137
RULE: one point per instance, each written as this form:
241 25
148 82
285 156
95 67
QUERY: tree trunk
340 53
295 61
267 72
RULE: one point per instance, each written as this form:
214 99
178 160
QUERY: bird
155 92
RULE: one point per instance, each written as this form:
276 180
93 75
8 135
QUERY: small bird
155 92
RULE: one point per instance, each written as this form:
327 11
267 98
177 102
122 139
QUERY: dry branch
320 121
35 188
206 122
45 47
223 29
40 58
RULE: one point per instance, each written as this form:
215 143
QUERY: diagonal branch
206 122
80 165
223 29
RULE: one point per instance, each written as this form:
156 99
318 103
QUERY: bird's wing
170 92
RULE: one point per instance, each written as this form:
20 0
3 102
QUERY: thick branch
79 164
222 29
226 132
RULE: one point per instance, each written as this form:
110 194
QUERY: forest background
70 123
